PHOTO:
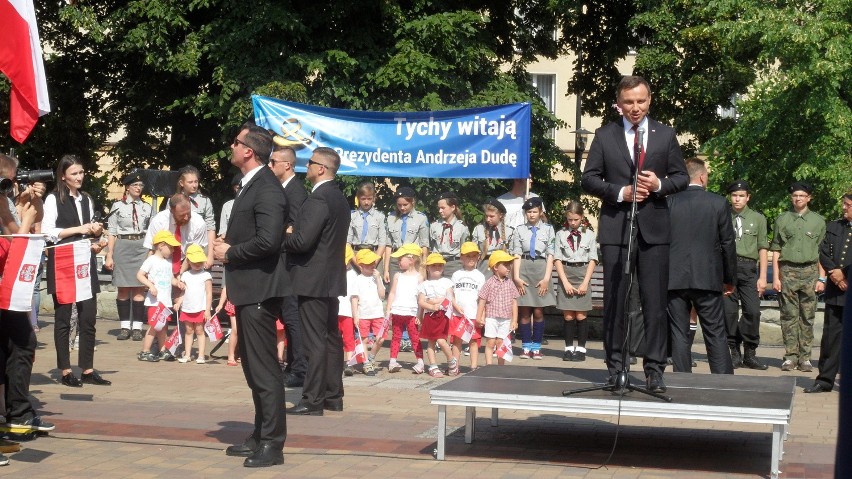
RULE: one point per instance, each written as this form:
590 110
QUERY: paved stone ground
174 420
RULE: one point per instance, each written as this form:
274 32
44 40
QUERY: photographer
17 339
68 217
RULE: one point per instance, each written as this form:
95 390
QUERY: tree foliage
173 79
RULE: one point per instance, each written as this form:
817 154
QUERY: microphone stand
620 382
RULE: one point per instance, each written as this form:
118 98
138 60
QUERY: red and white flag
505 350
463 328
160 317
22 61
72 265
175 340
380 336
16 287
214 329
360 357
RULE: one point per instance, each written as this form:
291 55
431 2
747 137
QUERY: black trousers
17 345
652 277
296 363
744 328
259 353
86 311
323 350
708 305
829 352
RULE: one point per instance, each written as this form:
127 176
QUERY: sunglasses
238 142
312 162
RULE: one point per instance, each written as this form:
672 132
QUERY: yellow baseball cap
349 254
499 256
165 236
195 254
434 258
469 247
366 256
407 248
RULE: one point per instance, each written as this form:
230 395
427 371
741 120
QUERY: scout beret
739 185
497 204
534 202
405 192
132 177
801 186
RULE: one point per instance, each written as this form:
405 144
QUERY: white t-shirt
466 286
159 271
514 208
435 288
369 303
345 308
195 294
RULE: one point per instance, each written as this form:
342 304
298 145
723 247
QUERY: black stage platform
730 398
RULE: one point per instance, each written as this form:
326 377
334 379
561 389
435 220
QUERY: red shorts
435 325
279 326
192 317
347 330
454 324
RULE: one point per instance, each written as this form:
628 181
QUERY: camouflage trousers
798 308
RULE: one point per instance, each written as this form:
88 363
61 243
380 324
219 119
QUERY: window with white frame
545 85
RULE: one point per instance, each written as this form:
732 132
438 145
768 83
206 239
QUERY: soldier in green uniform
799 275
752 246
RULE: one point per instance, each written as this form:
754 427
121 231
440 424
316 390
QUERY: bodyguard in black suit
609 176
702 268
257 279
315 260
835 256
283 164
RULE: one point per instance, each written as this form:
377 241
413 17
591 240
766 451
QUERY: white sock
580 349
125 325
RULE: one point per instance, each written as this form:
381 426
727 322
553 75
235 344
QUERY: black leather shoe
579 356
633 360
71 381
818 388
94 378
245 449
305 410
655 383
266 455
294 382
335 405
568 355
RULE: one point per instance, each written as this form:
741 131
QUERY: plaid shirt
498 295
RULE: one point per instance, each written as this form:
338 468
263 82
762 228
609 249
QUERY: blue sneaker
34 423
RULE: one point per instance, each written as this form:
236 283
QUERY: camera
25 177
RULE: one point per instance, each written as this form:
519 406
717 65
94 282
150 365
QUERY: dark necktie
448 226
534 230
574 240
636 149
135 217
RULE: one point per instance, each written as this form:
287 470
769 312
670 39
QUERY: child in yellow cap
367 308
402 307
466 284
498 303
196 302
435 296
344 312
156 274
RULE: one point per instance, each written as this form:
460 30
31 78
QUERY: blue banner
488 142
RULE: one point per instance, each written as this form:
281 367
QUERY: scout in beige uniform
493 233
367 226
575 255
533 247
128 221
448 233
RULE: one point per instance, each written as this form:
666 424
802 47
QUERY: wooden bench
737 399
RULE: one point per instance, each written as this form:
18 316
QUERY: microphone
641 133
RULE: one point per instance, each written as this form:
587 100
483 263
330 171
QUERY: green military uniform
750 234
797 237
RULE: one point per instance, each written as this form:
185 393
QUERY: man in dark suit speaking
702 270
315 261
613 157
256 277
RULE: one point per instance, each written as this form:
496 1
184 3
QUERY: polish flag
380 336
16 287
214 329
72 262
21 60
505 350
359 357
159 317
174 340
462 327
